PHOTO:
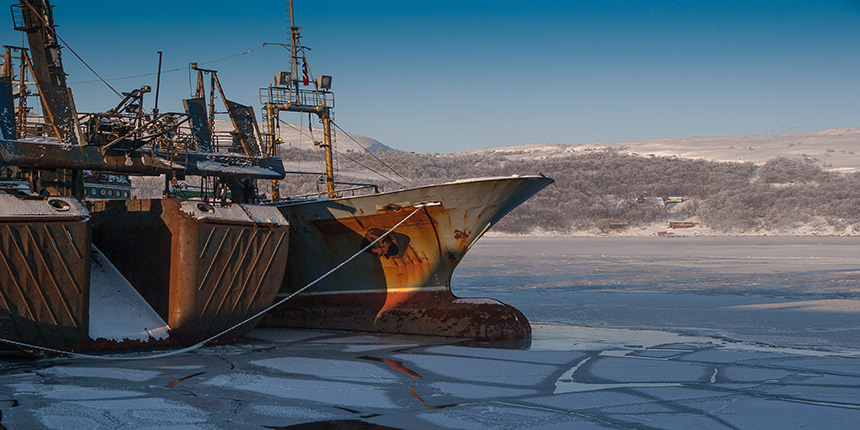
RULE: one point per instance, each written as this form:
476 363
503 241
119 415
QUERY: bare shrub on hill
783 170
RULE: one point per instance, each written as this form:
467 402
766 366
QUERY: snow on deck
13 206
234 213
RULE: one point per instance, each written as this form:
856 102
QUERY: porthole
205 207
59 205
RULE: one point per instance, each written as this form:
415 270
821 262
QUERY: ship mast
288 95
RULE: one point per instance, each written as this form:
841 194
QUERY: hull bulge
403 283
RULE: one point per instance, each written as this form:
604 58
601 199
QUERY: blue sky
446 76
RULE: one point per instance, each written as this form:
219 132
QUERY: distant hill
781 184
836 149
300 137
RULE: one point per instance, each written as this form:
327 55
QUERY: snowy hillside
301 137
835 149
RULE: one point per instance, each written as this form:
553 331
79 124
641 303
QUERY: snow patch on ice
332 369
824 305
135 375
325 392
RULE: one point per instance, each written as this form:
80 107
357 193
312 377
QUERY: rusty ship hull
403 283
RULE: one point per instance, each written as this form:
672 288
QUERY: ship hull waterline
403 284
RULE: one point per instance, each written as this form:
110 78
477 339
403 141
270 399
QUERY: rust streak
206 244
212 262
26 262
72 241
53 279
62 259
223 269
359 224
17 285
261 249
248 246
398 366
266 270
9 309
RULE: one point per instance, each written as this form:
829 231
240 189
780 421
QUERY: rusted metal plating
44 271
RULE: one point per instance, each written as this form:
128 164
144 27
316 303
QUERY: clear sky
450 75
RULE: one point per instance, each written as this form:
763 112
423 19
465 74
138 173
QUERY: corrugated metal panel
203 268
44 275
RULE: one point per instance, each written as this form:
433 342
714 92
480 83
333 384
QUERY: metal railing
297 96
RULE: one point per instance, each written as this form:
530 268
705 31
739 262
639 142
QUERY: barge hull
44 271
202 268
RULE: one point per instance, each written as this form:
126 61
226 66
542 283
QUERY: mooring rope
200 344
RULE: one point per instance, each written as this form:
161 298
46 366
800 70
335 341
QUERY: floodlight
324 82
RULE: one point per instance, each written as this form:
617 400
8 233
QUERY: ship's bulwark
402 284
202 268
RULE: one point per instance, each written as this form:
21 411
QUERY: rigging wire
272 57
57 36
373 155
417 208
142 75
341 154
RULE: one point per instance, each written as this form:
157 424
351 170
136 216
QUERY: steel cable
200 344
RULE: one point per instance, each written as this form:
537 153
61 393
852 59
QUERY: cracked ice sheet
137 413
471 391
554 337
292 412
841 365
525 356
632 370
753 374
332 369
284 336
499 371
325 392
498 415
753 413
75 393
813 390
101 372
